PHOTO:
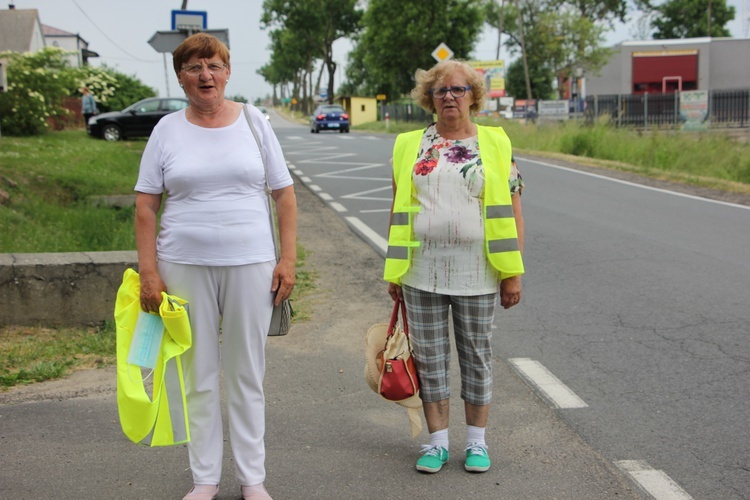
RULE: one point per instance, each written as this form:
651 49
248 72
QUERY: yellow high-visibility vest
160 419
500 232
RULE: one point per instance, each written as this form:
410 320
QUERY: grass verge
32 354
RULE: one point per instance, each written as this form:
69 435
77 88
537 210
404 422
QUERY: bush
126 91
42 84
37 85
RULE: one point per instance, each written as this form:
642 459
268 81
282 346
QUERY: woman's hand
151 288
510 292
283 280
395 291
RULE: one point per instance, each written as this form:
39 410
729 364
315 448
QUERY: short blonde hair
200 45
427 80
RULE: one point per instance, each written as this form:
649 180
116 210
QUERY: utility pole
184 4
500 29
523 51
499 42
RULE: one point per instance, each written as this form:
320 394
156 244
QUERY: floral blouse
449 185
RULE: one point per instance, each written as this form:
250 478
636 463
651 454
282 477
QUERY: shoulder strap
268 186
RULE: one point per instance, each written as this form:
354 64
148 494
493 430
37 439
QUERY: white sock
475 435
439 438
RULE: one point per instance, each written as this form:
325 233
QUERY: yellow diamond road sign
442 53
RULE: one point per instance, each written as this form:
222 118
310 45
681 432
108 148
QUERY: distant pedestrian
88 106
454 248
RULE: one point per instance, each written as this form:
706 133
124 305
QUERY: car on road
329 117
137 120
263 110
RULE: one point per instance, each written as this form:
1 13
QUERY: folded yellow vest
161 420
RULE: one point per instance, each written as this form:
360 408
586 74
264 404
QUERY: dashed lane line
550 387
655 482
375 239
338 207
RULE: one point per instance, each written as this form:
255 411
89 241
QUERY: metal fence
726 108
404 112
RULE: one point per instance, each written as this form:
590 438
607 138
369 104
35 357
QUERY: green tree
285 62
291 62
692 18
541 81
317 24
559 35
399 36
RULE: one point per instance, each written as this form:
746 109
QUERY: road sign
442 53
380 97
168 41
189 20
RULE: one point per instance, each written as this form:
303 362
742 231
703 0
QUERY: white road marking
338 207
315 187
337 174
375 239
325 196
359 196
633 184
545 382
305 179
655 482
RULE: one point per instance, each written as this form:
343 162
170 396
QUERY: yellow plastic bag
161 419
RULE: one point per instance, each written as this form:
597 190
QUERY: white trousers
237 301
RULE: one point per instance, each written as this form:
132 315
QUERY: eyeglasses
456 92
197 69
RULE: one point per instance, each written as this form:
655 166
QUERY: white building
22 31
71 42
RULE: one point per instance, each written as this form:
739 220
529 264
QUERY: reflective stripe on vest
501 235
172 430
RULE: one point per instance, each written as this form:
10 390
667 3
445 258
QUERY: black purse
281 319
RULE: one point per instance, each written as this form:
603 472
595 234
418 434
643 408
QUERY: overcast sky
119 32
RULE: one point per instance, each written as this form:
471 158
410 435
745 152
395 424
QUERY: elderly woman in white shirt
215 250
455 244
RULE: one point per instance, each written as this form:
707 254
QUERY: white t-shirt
216 208
448 180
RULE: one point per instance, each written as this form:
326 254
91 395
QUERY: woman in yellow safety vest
454 246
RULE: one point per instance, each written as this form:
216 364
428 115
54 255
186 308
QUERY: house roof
50 31
16 29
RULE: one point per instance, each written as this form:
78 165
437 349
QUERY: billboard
694 110
494 76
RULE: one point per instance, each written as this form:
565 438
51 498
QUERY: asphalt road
636 306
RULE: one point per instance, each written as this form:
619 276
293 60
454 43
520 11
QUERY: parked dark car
263 110
137 120
329 117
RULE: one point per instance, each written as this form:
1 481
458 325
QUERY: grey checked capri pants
428 315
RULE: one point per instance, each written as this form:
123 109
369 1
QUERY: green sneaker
432 459
477 459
